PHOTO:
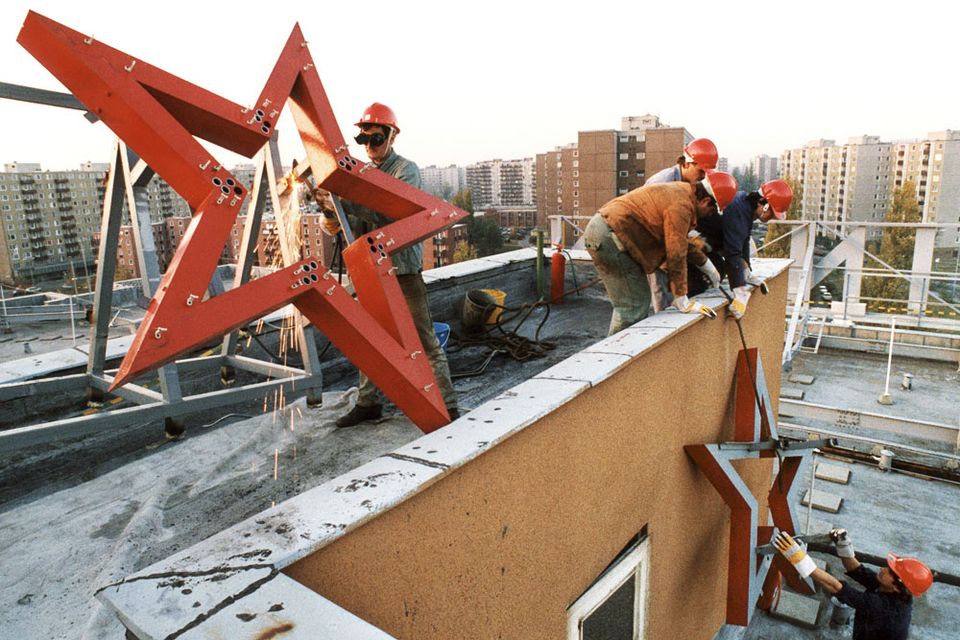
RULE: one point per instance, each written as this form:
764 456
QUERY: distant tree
782 248
446 192
747 180
464 251
464 200
484 234
896 246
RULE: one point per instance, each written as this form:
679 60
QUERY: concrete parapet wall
501 546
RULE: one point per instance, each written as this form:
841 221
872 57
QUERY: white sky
506 79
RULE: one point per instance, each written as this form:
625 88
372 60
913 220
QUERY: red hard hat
914 575
779 194
379 114
703 152
722 186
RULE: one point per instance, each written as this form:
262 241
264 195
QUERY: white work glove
754 280
711 272
842 542
741 295
793 552
686 305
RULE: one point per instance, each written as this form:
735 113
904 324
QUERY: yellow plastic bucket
498 297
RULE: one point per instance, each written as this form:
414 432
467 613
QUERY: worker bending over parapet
633 235
883 611
727 237
378 130
699 156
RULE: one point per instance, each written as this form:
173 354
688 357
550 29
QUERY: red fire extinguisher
558 264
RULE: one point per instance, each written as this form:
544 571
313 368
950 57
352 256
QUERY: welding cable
503 340
224 417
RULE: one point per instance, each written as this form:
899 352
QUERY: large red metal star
750 579
158 115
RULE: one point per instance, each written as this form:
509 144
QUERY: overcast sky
502 79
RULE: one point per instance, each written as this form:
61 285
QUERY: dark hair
700 192
754 198
682 160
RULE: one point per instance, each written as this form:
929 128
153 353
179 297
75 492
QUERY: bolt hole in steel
342 163
225 189
267 124
314 277
373 249
217 181
238 191
259 113
370 240
265 129
314 265
306 267
380 246
305 279
230 182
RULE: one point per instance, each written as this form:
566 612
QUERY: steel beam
846 419
13 439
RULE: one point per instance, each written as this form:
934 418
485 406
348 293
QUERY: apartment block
578 179
47 221
764 167
855 181
443 182
502 183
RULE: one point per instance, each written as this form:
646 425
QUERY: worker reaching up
884 609
728 236
699 156
632 235
378 131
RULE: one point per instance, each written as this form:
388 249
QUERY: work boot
360 413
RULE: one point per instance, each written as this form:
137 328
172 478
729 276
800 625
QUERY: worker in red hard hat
378 131
884 609
699 156
728 237
633 235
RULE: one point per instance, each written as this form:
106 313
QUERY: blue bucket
442 330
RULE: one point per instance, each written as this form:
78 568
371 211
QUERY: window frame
633 564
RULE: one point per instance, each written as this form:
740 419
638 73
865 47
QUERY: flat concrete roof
74 532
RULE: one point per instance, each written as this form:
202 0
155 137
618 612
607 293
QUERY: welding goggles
374 139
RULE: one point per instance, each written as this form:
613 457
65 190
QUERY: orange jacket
652 222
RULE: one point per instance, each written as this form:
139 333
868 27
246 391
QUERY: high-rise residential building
764 167
49 218
576 180
501 183
47 221
856 181
723 164
443 182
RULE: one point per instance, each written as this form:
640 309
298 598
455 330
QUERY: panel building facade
577 179
856 181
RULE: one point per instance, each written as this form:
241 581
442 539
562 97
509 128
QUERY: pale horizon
515 81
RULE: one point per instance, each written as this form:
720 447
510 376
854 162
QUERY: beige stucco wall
502 546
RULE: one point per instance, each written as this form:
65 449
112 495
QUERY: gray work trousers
626 283
415 291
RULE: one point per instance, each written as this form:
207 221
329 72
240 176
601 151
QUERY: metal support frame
158 114
128 174
752 576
